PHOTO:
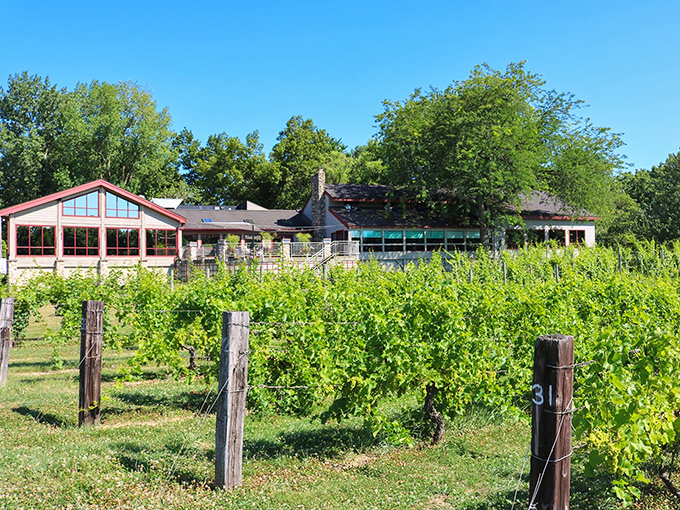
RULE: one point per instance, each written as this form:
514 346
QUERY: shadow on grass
37 366
323 442
40 417
185 400
586 494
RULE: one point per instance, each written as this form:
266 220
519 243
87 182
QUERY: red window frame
577 236
90 251
152 243
116 251
42 247
115 211
75 209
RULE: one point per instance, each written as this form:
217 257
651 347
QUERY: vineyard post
91 333
231 400
551 412
470 276
6 319
505 272
556 271
172 279
619 268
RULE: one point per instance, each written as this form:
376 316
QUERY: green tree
492 138
657 193
31 124
227 171
301 149
115 132
367 166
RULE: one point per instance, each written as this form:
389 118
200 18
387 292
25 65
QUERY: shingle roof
240 219
537 204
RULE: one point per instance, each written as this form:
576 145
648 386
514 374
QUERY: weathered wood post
6 319
505 272
551 412
231 401
91 333
470 276
620 266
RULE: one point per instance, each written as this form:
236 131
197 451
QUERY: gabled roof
87 187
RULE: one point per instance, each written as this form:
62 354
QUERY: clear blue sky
236 67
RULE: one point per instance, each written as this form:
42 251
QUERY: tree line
471 150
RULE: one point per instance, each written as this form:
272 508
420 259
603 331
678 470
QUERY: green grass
155 450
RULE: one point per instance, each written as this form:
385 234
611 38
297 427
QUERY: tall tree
116 132
31 123
657 192
227 171
490 139
301 149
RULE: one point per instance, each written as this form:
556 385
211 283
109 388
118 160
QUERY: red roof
86 187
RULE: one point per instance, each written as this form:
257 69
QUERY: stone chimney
319 204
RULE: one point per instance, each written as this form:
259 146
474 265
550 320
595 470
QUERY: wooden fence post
6 319
551 412
91 333
231 401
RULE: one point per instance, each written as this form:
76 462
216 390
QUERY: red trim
42 241
106 209
118 248
560 218
86 187
75 247
74 215
155 246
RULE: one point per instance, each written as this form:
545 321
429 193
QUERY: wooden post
505 272
620 267
6 319
172 279
91 333
556 271
231 402
470 276
551 413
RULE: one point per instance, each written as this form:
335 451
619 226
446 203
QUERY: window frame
87 248
75 208
117 249
42 247
148 248
116 209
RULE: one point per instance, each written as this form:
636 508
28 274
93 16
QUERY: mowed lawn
154 449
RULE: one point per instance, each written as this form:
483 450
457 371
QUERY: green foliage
492 138
347 344
300 150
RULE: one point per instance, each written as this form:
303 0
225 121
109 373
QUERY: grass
155 450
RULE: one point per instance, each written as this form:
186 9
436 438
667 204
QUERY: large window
81 241
556 235
473 239
415 240
455 240
161 242
394 240
435 240
84 205
372 240
122 242
35 240
577 237
117 207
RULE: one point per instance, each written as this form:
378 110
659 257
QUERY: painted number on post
538 397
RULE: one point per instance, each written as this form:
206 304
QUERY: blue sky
236 67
